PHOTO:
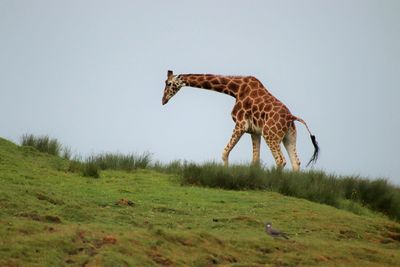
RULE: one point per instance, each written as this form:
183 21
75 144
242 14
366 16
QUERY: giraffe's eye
169 83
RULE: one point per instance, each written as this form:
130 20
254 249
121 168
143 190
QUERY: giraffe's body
256 112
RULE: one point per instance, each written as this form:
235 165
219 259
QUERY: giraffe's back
257 109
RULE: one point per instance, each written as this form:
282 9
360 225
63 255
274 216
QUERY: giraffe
256 111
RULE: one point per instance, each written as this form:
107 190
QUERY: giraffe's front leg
256 139
237 133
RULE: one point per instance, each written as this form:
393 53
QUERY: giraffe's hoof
280 166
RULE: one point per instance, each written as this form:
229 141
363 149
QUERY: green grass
378 195
50 216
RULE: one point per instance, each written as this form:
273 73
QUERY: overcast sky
91 73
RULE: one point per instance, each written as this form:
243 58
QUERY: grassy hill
52 217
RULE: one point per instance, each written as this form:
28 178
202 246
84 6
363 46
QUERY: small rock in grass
125 202
109 239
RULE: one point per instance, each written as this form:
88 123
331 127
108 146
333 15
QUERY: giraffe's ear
170 73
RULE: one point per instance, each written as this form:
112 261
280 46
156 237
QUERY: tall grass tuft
378 195
236 177
91 168
92 165
42 143
86 168
117 161
66 152
174 167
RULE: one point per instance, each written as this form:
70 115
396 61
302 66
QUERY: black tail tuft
316 150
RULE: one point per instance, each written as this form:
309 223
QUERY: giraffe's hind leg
274 145
289 141
256 140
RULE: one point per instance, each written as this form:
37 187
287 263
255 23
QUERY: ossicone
170 73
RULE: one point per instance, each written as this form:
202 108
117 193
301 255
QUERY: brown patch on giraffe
264 115
266 131
254 84
277 108
244 90
221 88
233 86
240 115
247 103
268 99
258 100
254 108
281 132
269 123
206 84
238 80
275 117
253 93
215 81
224 80
268 108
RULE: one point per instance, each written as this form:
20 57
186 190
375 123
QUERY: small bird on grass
274 232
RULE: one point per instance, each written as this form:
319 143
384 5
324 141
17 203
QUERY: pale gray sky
91 73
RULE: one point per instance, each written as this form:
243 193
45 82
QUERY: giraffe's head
172 86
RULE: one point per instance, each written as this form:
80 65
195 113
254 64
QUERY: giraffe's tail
313 140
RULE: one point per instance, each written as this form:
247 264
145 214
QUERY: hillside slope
49 217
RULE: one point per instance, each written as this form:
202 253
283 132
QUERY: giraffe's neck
222 84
